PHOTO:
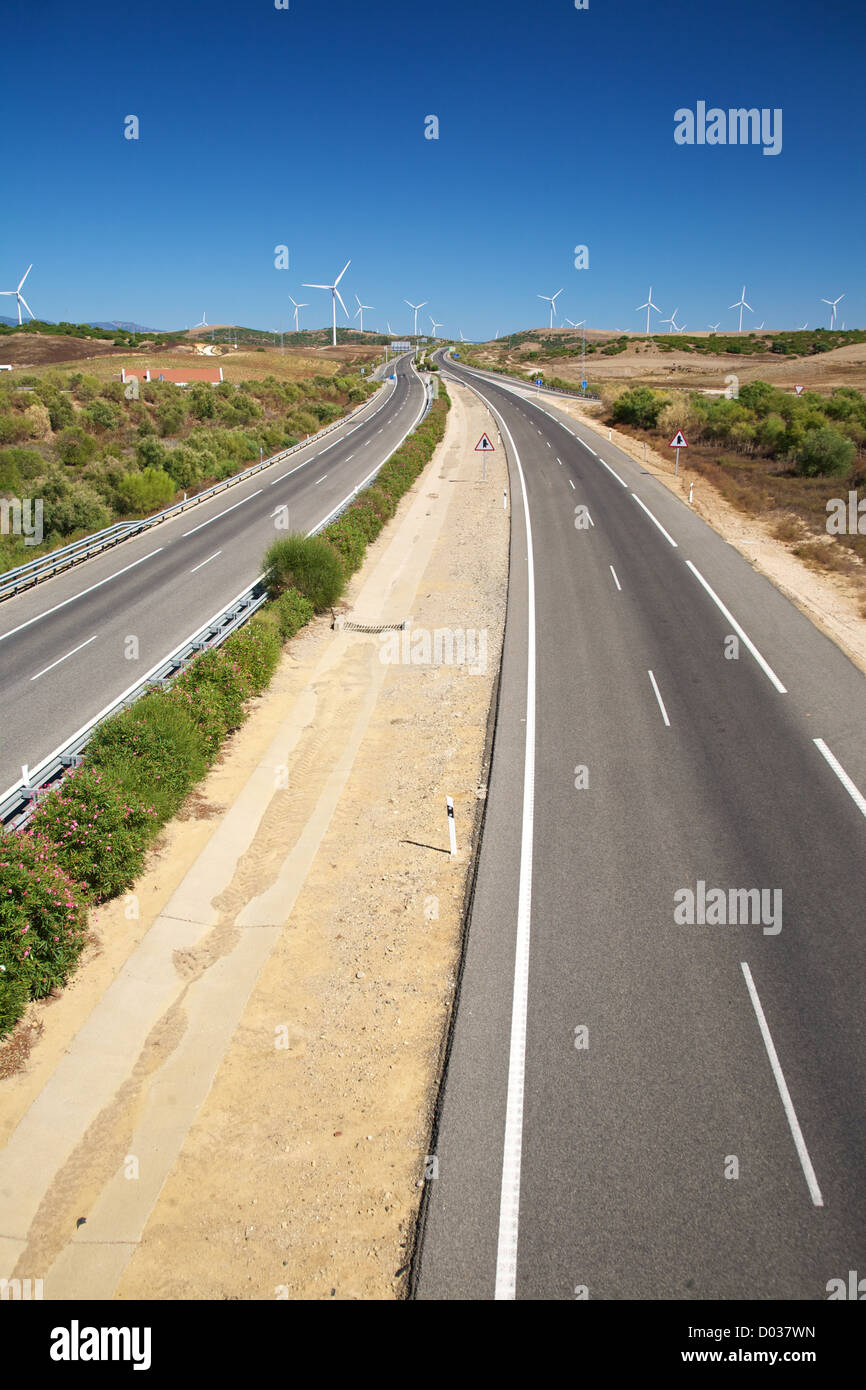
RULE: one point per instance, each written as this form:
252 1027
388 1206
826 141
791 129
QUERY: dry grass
824 555
788 528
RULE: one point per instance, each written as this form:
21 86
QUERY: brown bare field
647 364
31 350
237 366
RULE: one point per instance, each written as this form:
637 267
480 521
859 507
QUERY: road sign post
678 442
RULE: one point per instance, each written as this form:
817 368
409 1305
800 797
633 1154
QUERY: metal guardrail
528 385
18 804
46 566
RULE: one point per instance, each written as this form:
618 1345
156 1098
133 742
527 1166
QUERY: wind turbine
416 307
19 296
390 329
435 325
649 305
335 295
297 307
741 305
360 310
462 339
551 298
203 323
831 302
714 327
760 326
805 325
672 320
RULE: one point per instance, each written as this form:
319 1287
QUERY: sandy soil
297 1170
651 365
831 601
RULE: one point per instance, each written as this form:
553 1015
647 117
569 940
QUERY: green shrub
74 446
292 612
100 837
212 690
640 406
825 451
150 491
308 564
153 751
42 922
255 650
349 541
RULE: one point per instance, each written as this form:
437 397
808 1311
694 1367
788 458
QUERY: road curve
67 648
634 1107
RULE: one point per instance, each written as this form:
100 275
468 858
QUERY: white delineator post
452 831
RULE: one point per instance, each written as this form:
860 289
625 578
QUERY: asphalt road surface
636 1107
65 645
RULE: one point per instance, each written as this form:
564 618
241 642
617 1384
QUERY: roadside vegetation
95 457
88 839
769 452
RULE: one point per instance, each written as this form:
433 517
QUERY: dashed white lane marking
744 638
659 698
654 520
790 1112
322 479
64 658
89 590
615 580
853 791
219 552
203 524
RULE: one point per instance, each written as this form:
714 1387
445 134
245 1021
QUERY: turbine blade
308 286
26 306
340 297
24 276
342 273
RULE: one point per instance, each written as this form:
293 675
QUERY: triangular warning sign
484 446
679 441
799 390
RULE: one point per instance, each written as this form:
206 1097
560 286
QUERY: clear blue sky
306 127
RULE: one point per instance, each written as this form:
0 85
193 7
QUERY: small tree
825 452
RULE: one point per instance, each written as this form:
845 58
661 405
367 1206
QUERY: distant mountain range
94 323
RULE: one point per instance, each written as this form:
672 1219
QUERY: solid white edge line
790 1112
60 659
509 1200
48 611
209 558
211 519
659 698
654 520
615 580
620 480
509 1203
744 638
851 788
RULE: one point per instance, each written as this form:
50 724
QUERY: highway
635 1107
73 645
